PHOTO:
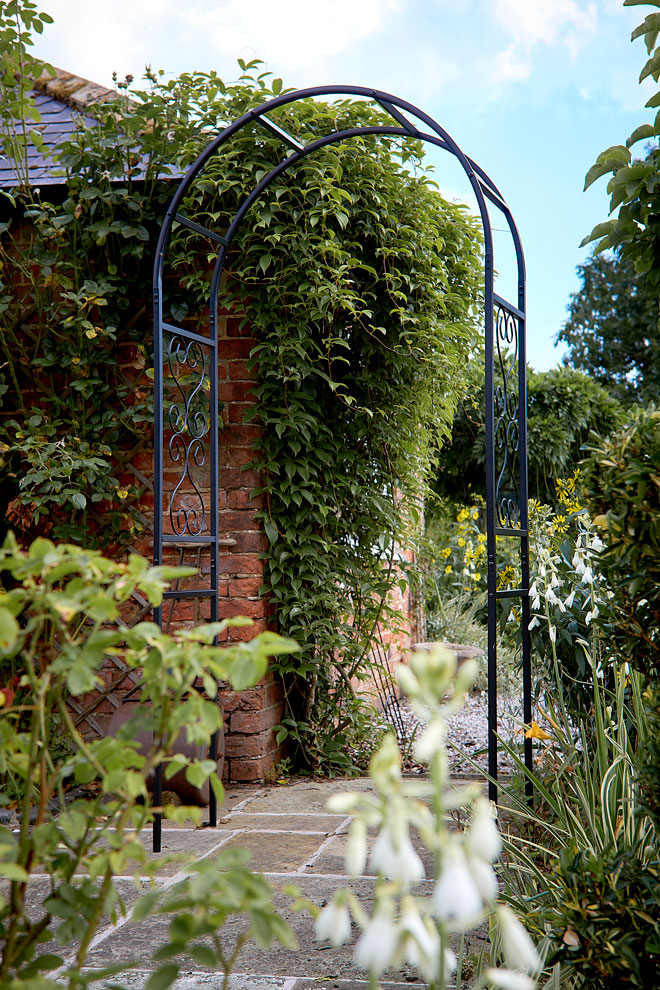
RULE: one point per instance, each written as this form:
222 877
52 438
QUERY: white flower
422 942
507 979
375 950
484 877
519 950
482 837
333 924
552 632
534 623
431 741
456 896
399 861
571 598
450 961
356 848
551 597
407 681
587 576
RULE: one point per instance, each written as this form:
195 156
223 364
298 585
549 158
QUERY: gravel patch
467 732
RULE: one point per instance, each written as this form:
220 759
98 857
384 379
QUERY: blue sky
531 89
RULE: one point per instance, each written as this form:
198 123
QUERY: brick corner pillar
251 750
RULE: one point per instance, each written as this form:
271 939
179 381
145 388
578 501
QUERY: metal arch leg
213 804
158 801
492 698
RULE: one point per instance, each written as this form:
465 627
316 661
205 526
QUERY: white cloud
297 33
530 23
94 39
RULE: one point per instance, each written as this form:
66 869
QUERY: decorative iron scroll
189 421
507 418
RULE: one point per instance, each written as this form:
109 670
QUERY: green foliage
635 183
612 329
563 408
649 766
583 860
610 916
623 491
56 604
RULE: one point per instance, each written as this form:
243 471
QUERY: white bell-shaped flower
430 741
395 857
333 924
456 897
356 848
519 950
484 877
508 979
482 837
375 950
422 944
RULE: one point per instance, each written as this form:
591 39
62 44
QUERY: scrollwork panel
186 440
507 418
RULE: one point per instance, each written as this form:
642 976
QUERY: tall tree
612 330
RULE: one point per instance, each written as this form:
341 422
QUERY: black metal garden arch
191 439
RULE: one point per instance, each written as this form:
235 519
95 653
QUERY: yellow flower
90 333
463 515
448 569
75 360
461 541
122 492
536 732
445 552
476 576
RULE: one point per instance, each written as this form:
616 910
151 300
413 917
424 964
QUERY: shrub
56 604
606 926
622 483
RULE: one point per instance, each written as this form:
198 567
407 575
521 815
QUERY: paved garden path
292 839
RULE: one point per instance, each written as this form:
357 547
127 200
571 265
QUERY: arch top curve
395 108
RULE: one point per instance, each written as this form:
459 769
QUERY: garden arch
190 441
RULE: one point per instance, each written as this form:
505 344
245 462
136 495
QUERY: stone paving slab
137 941
292 840
276 821
197 980
308 797
286 852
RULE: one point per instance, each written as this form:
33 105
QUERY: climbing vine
361 286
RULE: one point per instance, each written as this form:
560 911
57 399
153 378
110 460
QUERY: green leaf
652 68
12 871
145 905
79 500
640 133
9 630
163 977
203 955
271 530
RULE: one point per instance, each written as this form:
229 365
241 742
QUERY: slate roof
61 100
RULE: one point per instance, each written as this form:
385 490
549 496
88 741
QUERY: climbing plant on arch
319 225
